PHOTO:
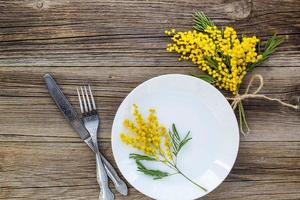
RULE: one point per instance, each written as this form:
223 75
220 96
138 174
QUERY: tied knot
239 97
237 102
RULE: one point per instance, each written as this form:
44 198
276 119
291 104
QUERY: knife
74 119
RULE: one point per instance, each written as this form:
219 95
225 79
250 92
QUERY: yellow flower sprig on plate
156 143
225 57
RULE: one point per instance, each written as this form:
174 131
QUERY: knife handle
102 180
120 185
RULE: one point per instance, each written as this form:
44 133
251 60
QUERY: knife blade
65 107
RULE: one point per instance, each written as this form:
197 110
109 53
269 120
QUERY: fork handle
120 185
102 180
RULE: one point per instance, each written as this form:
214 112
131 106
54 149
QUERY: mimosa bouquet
225 57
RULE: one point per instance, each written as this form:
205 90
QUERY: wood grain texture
130 33
259 169
115 45
24 94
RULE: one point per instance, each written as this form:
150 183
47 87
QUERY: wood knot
39 4
239 9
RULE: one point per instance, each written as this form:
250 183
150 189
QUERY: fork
91 121
119 184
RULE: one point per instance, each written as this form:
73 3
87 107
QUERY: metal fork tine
80 102
92 98
84 101
88 99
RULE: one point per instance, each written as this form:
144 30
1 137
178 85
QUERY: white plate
192 104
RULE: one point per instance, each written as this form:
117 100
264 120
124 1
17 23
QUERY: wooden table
116 45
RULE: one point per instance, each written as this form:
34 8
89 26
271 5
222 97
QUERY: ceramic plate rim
163 76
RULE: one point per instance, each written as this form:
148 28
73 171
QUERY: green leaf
271 45
174 141
212 62
183 142
155 174
201 21
269 48
205 77
139 165
141 157
187 135
177 142
175 131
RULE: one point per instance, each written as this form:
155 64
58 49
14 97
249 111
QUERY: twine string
238 98
236 101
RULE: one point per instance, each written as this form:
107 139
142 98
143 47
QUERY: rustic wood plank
244 190
29 169
78 192
253 191
41 160
26 105
130 33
